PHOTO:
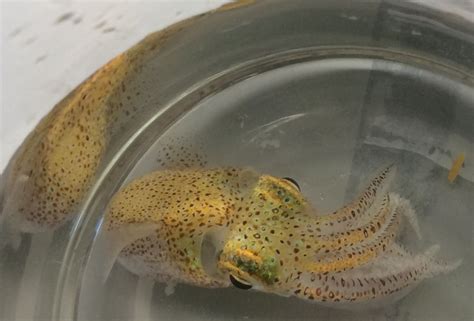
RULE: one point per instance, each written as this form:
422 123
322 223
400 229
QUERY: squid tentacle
381 280
339 240
358 212
408 212
352 256
398 250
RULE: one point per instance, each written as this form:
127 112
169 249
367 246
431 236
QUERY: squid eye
293 182
239 283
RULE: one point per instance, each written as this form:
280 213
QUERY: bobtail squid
234 226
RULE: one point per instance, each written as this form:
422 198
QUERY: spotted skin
51 172
361 210
53 169
272 239
183 204
55 165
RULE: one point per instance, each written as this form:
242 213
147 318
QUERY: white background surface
49 47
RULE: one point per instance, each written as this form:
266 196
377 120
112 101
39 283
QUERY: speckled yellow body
184 205
268 236
203 226
53 169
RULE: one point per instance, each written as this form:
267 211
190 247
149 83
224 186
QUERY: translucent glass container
322 91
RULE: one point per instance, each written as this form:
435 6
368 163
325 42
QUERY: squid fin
109 244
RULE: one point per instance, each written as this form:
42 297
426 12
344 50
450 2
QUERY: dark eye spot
239 283
292 181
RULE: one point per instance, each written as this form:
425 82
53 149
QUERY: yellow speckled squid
216 227
51 172
208 227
